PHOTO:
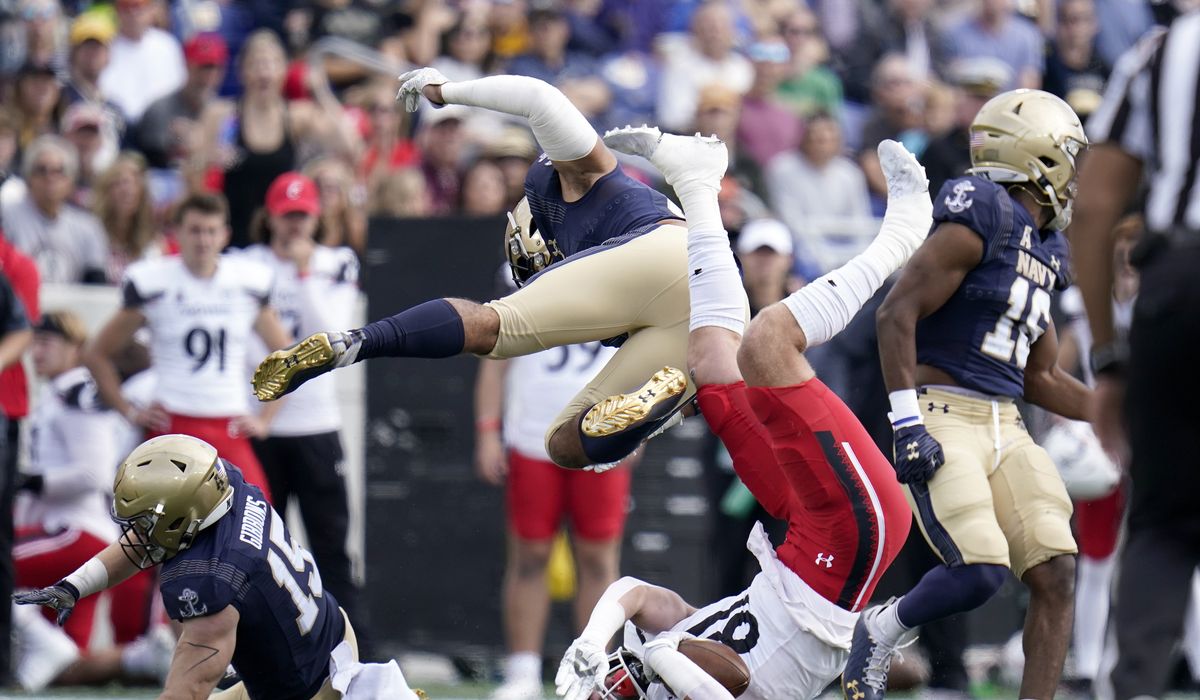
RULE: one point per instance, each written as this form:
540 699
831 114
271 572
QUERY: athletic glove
917 454
414 81
62 596
582 670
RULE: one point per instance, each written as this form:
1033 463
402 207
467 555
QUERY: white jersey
199 330
537 387
73 446
322 301
793 641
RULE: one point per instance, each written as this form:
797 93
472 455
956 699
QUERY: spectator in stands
515 401
810 86
91 35
766 127
343 217
35 101
513 150
316 287
816 186
443 142
717 112
996 30
1074 69
895 113
704 57
547 58
402 194
67 243
146 62
484 191
248 143
509 28
44 32
764 247
122 204
466 49
909 30
976 80
1121 24
166 134
10 181
388 146
90 129
15 337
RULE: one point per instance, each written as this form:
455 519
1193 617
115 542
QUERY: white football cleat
683 160
904 174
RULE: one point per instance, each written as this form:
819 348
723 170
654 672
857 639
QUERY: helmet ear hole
1048 162
175 524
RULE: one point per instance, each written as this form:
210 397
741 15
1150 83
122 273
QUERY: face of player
202 237
52 354
288 228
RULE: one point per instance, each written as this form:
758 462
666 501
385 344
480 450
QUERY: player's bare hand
62 597
247 426
422 81
153 417
1107 419
582 670
491 464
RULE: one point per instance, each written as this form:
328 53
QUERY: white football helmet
1085 467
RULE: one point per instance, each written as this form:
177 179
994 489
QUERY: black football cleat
870 658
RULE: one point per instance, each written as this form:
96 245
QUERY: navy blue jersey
289 624
617 205
981 335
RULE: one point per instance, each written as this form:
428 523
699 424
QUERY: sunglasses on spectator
48 170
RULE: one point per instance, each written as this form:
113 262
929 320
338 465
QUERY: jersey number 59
1028 314
289 562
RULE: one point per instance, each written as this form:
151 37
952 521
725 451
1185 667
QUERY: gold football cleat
618 413
283 371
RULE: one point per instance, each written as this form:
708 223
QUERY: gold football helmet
1029 137
528 253
167 490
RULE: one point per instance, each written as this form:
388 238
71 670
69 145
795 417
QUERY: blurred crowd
113 112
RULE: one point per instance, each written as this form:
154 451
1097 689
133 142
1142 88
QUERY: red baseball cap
206 49
293 192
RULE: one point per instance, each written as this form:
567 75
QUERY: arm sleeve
90 440
561 130
682 675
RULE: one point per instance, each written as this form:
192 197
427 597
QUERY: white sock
717 296
889 625
1092 589
825 306
523 665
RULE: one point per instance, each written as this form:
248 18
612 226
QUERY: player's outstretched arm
202 654
105 570
579 156
1050 386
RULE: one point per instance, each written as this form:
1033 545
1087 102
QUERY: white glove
414 81
582 670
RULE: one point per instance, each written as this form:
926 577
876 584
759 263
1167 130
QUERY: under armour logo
1055 263
913 453
945 407
854 692
646 395
827 560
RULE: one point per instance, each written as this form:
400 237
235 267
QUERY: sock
433 329
825 306
523 665
947 590
890 626
1092 589
717 296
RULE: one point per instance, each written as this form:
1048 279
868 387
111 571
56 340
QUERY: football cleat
901 169
653 401
870 659
283 371
682 160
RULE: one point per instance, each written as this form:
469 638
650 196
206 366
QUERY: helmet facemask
627 677
528 253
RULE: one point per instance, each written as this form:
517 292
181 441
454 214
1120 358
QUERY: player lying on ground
964 333
624 277
797 447
242 589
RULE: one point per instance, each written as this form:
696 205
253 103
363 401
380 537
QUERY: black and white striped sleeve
1125 117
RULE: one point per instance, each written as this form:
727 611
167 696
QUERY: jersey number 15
1028 314
289 562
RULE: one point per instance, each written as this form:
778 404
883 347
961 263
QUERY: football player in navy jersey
243 591
600 256
965 332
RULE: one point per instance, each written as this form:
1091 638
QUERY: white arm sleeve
685 679
609 616
92 450
561 130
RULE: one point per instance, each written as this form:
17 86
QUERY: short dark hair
204 203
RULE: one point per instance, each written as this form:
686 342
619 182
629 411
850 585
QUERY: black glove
917 454
62 596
